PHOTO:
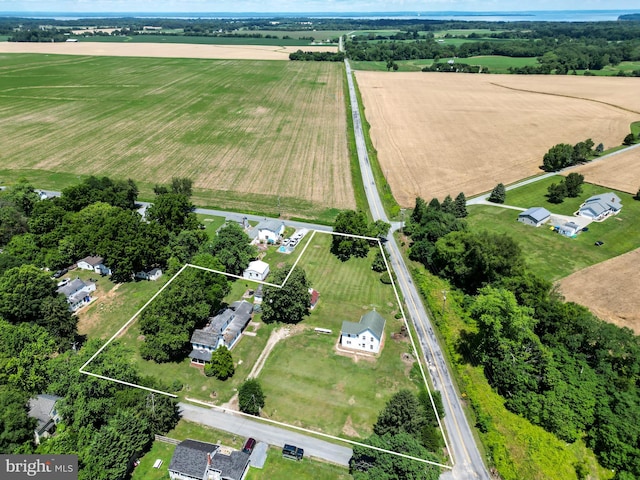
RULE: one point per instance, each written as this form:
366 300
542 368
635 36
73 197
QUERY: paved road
468 463
246 427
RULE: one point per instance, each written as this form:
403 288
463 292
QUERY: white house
195 460
43 409
94 263
257 270
153 274
535 216
600 206
270 231
366 335
77 292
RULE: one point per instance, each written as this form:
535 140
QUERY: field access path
467 461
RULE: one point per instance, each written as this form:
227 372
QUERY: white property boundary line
274 422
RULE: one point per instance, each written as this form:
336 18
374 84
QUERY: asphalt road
468 463
246 427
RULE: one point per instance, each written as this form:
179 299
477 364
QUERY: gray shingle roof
190 458
93 261
72 287
272 225
204 337
609 199
198 354
369 321
40 408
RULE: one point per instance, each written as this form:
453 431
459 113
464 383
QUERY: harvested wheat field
620 171
168 50
439 134
250 133
609 289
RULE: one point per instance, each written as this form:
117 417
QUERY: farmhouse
223 329
257 270
77 293
94 263
535 216
43 409
270 231
199 460
366 335
600 206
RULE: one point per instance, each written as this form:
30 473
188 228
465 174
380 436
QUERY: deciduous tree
221 365
232 246
250 397
290 303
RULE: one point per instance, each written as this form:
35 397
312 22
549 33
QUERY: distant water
498 16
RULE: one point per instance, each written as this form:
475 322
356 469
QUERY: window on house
372 339
371 347
348 342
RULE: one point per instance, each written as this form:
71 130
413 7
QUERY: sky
114 6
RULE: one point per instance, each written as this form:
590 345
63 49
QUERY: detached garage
257 270
535 216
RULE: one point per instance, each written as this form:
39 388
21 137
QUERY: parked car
599 243
249 445
60 273
292 452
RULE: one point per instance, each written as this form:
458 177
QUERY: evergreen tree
460 210
498 194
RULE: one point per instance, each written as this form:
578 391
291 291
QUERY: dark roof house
193 459
43 409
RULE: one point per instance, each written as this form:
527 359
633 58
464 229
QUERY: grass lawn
306 382
498 63
211 223
278 467
553 256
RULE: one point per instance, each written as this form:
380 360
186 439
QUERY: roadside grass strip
271 421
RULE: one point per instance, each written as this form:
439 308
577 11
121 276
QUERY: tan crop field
609 289
439 134
167 50
250 133
619 172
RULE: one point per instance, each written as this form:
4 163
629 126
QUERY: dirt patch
348 429
89 318
274 338
169 50
618 172
609 289
439 134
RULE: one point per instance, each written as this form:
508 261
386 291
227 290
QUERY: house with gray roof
193 460
599 207
94 263
534 216
224 329
365 335
77 292
270 231
569 229
43 409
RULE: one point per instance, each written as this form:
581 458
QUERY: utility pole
444 300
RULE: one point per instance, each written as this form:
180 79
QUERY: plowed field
609 289
439 134
251 133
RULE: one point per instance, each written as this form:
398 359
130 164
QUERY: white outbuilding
257 270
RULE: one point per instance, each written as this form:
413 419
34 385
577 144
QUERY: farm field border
126 325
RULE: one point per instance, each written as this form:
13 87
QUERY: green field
553 256
498 63
306 382
159 38
228 124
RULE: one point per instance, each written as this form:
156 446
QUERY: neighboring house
270 231
94 263
315 296
43 409
206 461
366 335
257 270
600 206
569 229
535 216
77 292
152 275
224 329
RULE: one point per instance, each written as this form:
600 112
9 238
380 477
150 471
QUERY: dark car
598 243
249 445
292 452
60 273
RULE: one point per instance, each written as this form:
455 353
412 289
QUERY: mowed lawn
553 256
251 134
306 382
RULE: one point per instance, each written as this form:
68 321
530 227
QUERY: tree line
552 361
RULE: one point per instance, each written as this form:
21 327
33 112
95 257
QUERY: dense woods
554 362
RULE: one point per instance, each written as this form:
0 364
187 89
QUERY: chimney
208 459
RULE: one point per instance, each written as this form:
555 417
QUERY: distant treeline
317 56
